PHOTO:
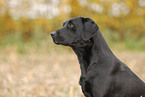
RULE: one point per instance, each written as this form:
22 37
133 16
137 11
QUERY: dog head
75 31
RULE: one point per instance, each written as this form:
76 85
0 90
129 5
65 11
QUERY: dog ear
89 28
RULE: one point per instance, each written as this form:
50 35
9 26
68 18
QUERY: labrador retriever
102 73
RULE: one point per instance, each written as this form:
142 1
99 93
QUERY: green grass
42 41
114 41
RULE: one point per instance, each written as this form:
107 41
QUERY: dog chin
60 43
55 41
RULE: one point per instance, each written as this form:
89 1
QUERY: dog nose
53 33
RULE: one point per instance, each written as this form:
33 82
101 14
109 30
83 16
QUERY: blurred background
31 65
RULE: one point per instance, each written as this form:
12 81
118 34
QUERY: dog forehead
76 20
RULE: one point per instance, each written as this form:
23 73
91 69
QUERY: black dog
102 74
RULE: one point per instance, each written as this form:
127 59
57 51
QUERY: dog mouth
58 40
55 40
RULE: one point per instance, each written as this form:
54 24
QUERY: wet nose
53 34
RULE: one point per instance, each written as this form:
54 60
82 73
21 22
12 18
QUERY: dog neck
86 55
100 48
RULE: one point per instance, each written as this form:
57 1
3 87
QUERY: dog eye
70 25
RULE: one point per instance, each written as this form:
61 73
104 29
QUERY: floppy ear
89 28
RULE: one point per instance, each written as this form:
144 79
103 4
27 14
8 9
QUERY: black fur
102 74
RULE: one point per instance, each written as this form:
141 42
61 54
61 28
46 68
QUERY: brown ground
39 74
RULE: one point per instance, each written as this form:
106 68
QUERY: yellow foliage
116 15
